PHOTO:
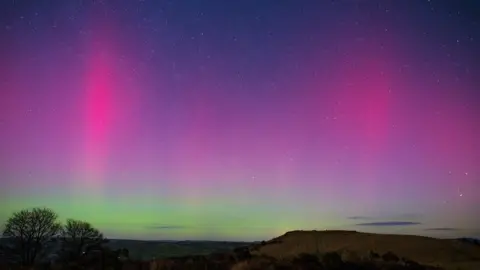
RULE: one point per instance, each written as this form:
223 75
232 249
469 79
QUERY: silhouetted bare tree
80 236
29 231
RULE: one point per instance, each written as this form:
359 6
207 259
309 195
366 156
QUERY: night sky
241 120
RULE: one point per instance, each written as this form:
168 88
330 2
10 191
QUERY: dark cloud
166 227
360 218
441 229
405 216
389 223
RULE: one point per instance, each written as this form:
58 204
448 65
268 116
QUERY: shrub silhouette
306 257
373 255
390 257
307 261
332 261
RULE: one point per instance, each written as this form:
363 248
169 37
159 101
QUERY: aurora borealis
242 119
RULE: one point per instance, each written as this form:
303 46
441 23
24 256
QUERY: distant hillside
146 250
447 253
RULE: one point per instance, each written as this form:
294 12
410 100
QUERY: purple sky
242 119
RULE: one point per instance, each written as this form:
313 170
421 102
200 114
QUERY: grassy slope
430 251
